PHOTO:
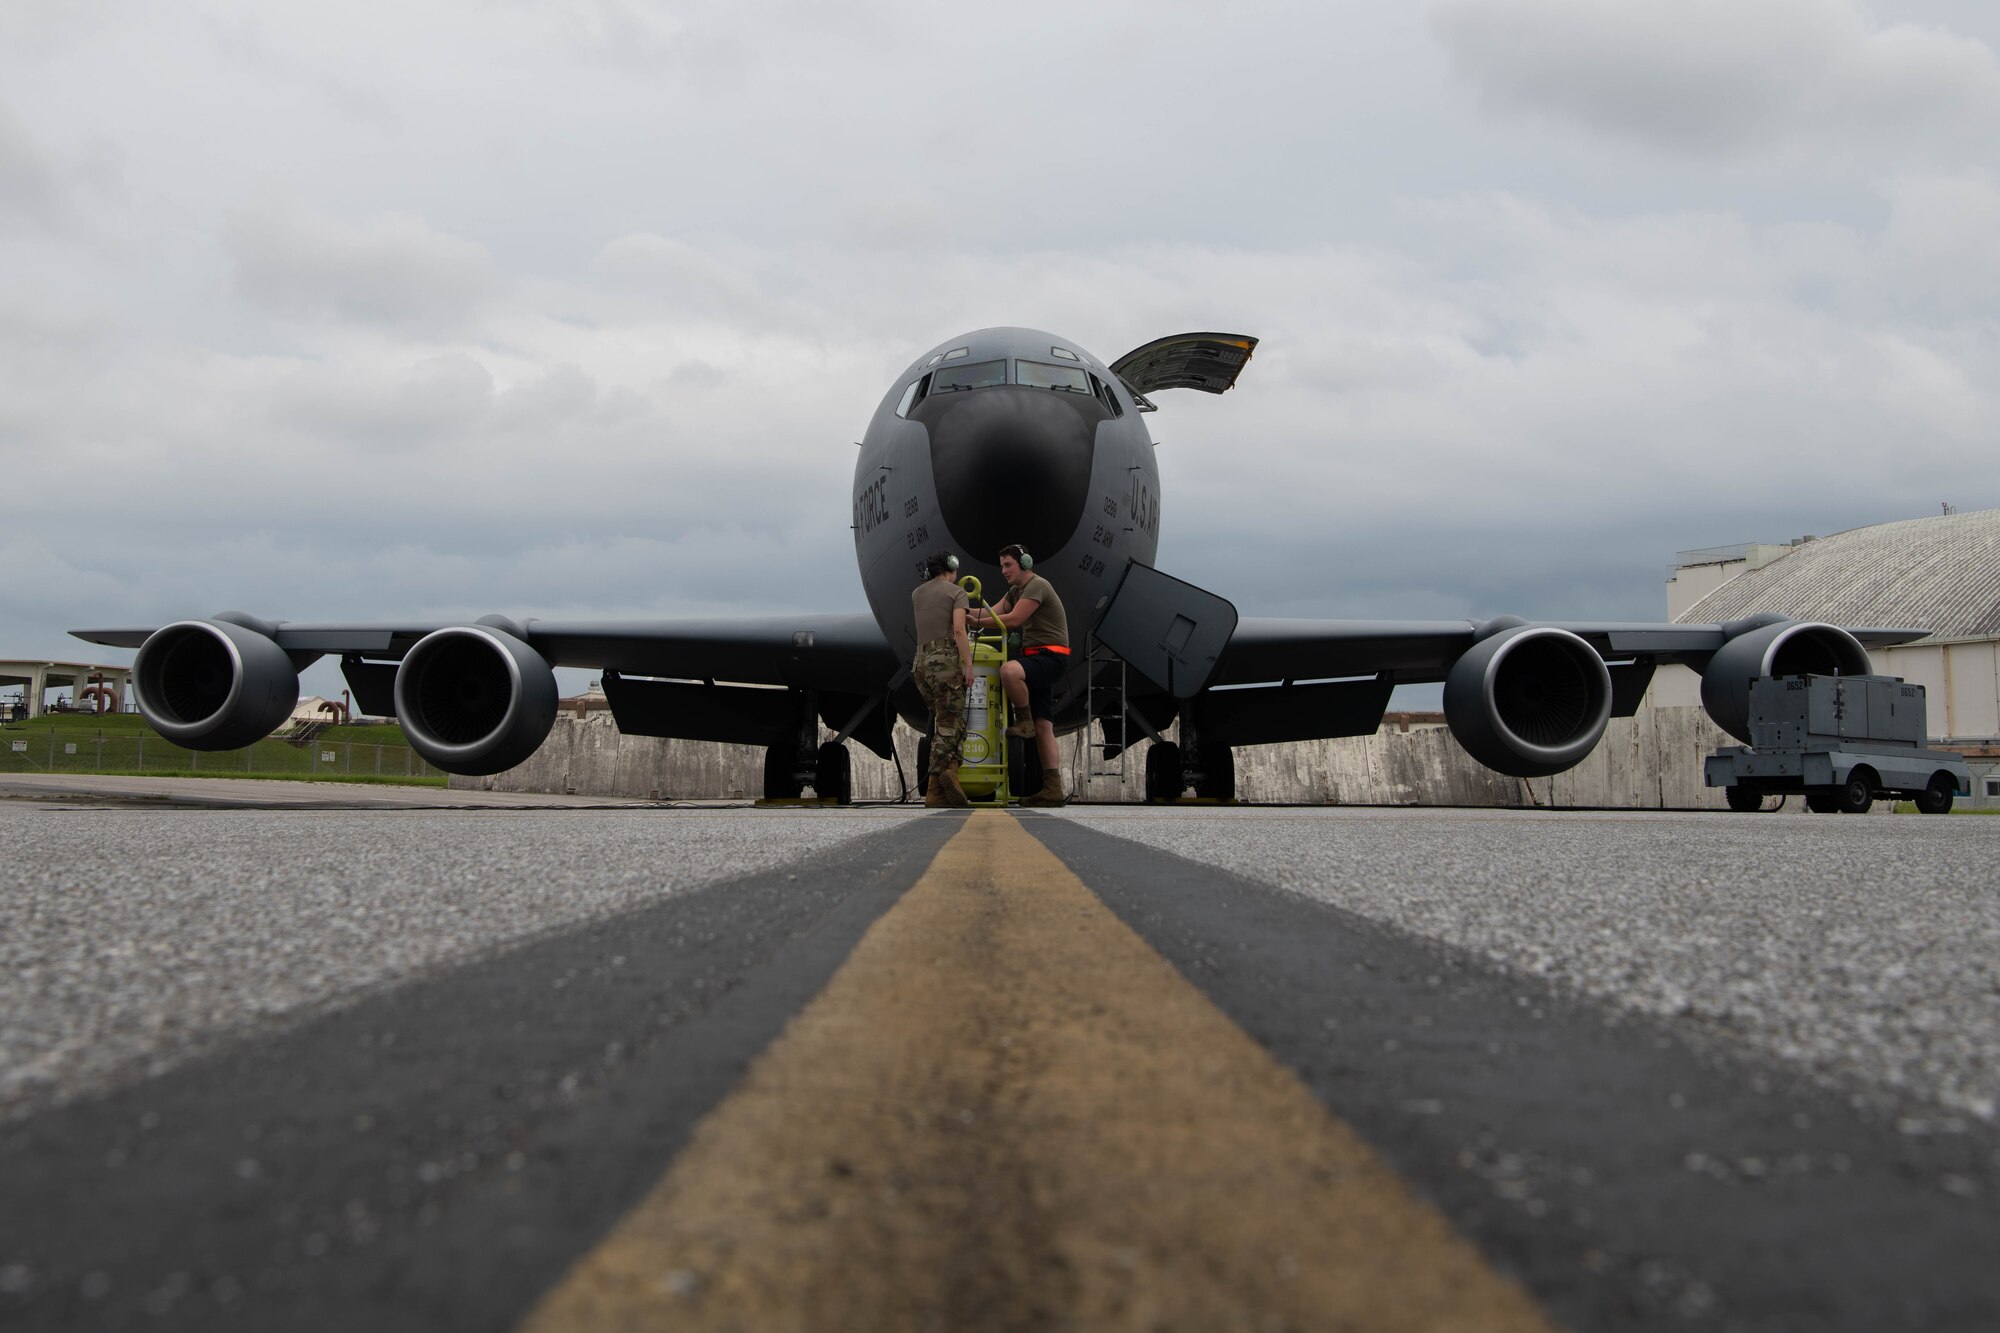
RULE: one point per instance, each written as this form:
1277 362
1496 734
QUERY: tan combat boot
934 791
1051 792
954 795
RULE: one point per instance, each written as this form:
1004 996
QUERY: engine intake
1787 648
213 684
1528 701
473 699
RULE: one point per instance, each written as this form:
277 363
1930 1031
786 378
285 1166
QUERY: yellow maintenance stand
982 770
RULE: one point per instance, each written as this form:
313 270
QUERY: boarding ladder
1095 761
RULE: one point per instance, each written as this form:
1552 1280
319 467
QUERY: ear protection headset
944 562
1020 554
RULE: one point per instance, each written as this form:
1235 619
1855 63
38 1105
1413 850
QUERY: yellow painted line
1006 1111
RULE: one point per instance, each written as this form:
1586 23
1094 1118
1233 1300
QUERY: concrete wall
1652 761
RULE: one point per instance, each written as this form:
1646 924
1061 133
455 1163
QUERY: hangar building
1940 573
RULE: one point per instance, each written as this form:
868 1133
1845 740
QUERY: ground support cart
1839 741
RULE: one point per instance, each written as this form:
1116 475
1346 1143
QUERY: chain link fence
69 751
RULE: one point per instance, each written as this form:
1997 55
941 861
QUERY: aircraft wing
1531 699
485 695
1264 650
844 652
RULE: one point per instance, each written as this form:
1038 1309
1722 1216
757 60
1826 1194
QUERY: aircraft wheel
781 783
1859 792
833 776
1936 799
1823 802
1163 772
1218 773
1743 799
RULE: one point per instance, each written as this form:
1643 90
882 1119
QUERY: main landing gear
829 772
1169 774
828 769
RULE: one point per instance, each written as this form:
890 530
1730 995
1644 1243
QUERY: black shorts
1042 670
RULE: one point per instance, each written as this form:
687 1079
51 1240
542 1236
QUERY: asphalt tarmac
1191 1068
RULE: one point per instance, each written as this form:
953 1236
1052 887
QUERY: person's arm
989 614
1017 614
1011 611
964 642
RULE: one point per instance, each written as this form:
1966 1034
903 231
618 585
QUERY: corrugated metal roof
1939 574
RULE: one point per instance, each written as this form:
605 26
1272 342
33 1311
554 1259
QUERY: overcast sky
417 310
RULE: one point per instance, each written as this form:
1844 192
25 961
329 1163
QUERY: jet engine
1530 700
214 684
475 699
1779 648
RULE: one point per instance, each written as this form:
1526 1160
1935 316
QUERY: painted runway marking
1006 1111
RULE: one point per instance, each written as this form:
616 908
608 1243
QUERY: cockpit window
957 352
1040 375
977 375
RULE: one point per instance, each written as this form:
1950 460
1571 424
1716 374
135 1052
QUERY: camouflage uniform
940 677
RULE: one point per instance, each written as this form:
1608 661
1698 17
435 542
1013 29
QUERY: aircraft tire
1858 793
1743 800
1218 773
1163 772
923 767
833 775
1936 799
780 782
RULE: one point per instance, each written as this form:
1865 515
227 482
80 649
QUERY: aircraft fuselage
1000 436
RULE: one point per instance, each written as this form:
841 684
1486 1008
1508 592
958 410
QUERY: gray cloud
1709 75
392 269
32 192
581 351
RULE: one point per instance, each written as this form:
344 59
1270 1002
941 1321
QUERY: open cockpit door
1206 361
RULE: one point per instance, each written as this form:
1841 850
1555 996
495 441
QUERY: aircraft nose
1011 464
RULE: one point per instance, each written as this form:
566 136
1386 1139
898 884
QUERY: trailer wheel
1936 798
1823 802
1859 792
1742 799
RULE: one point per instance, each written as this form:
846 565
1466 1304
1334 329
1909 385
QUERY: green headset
948 564
1020 554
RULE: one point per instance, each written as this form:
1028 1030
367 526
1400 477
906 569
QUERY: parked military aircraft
1004 435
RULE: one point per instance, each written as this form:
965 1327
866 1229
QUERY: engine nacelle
1787 648
213 684
1528 701
474 699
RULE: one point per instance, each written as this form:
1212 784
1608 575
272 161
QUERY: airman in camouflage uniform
942 672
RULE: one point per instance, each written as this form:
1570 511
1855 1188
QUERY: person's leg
1014 680
1045 742
927 687
1043 673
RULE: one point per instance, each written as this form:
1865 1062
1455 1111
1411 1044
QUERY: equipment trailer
1839 741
